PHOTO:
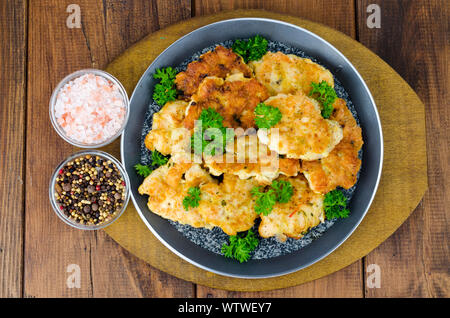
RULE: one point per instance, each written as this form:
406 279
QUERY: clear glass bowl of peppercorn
89 190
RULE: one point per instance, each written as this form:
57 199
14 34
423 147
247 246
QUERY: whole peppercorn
86 190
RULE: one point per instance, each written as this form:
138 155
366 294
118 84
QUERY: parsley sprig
210 119
279 191
283 190
252 49
326 95
165 91
158 159
335 205
266 116
143 170
240 246
192 199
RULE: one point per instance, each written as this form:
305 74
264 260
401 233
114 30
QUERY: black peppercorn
86 190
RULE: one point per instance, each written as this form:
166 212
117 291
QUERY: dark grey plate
359 94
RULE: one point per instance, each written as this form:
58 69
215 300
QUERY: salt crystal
90 109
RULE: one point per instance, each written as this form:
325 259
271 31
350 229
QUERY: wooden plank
344 283
13 26
341 16
413 39
55 50
338 14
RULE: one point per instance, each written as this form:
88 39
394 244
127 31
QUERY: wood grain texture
414 262
13 26
413 40
338 14
347 282
401 187
54 50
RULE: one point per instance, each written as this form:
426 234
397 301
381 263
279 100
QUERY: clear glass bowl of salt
89 108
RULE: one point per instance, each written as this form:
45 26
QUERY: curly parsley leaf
240 246
283 189
266 198
158 159
143 170
326 95
266 116
165 75
210 119
228 250
252 49
240 47
192 199
241 253
335 205
165 91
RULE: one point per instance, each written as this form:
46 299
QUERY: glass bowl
73 76
71 221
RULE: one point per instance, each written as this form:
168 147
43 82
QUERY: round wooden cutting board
403 182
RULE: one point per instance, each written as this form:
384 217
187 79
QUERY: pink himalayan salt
90 109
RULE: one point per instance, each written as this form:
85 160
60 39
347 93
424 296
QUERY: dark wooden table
38 49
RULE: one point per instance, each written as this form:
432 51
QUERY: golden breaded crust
228 205
302 131
235 99
171 115
167 188
220 63
351 131
168 135
247 158
168 141
341 166
294 218
324 150
289 74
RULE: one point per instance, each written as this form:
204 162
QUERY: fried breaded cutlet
235 99
289 74
292 219
302 132
220 204
171 115
341 166
228 205
219 63
328 148
167 188
247 158
168 135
